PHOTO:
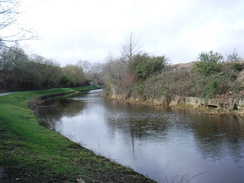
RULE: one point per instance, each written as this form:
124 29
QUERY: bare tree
114 71
234 57
92 71
9 9
85 66
13 66
130 48
8 12
47 70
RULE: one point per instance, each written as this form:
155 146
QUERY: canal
165 144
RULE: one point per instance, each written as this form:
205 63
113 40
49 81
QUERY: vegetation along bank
31 153
212 82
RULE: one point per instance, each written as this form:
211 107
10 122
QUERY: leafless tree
9 9
8 12
115 70
234 57
85 66
48 71
92 71
130 48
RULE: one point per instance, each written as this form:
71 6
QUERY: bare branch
8 12
130 47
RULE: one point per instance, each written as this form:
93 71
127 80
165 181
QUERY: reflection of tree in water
51 111
215 137
218 137
140 121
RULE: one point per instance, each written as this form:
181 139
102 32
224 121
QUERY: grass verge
31 153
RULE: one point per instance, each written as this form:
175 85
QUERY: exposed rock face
221 103
225 103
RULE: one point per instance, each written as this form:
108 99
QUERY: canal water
167 145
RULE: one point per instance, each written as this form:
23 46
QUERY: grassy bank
31 153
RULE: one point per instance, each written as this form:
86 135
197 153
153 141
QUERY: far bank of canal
168 145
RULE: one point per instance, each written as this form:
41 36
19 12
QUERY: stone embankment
224 104
230 104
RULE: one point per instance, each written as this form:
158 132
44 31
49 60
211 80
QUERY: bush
64 81
216 84
149 77
208 86
144 65
237 66
208 63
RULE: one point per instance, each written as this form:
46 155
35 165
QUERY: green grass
31 153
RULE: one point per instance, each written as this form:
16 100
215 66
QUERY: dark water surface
164 144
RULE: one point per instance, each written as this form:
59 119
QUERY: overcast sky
73 30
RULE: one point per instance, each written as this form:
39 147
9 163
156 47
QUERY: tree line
133 74
20 71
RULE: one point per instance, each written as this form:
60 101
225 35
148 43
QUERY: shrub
64 81
237 66
236 61
208 63
144 65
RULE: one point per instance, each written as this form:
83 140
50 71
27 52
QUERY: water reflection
158 142
218 137
51 111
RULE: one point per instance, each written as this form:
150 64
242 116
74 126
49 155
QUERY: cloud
90 30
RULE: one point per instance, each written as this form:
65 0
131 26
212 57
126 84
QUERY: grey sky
90 30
